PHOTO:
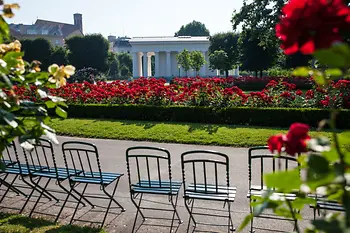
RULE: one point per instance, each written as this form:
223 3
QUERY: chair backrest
42 157
206 169
261 161
148 167
83 158
9 155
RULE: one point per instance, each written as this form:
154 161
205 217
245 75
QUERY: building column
168 64
157 65
139 61
145 64
202 71
135 65
149 67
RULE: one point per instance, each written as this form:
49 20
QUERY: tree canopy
197 60
227 43
39 49
184 60
88 51
194 28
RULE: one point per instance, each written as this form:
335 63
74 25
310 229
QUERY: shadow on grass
20 223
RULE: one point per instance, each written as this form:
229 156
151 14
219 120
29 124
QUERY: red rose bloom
307 25
294 142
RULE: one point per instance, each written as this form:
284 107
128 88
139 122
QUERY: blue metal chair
267 163
41 163
9 160
83 159
141 183
198 161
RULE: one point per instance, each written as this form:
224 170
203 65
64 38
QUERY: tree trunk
261 73
226 72
256 73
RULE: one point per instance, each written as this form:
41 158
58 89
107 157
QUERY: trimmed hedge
274 117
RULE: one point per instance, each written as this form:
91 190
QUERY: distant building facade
55 32
120 44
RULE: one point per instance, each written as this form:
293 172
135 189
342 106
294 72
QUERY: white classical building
165 50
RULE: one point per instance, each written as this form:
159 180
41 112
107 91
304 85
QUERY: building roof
169 39
52 28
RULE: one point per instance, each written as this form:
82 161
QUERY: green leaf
335 72
319 78
302 71
9 118
299 202
50 104
245 222
60 112
331 156
332 226
319 172
330 58
285 181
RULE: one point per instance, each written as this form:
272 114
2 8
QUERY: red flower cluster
294 142
214 92
307 25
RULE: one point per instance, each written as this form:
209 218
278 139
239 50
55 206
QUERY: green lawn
188 133
21 224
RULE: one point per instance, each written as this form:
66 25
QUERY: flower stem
293 215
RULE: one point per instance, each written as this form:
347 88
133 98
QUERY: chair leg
190 209
138 210
33 187
81 197
84 198
36 184
30 195
11 187
3 179
110 201
40 195
175 212
230 223
69 192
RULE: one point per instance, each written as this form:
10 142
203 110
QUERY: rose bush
213 92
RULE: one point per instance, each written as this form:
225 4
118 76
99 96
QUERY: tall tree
59 56
194 28
197 61
253 56
219 60
39 49
88 51
113 66
184 60
228 43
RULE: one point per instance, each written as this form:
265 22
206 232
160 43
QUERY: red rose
276 143
298 130
307 25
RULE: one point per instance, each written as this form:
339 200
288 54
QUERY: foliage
125 62
59 56
89 75
194 28
25 119
277 117
184 60
113 66
88 51
173 132
219 60
264 56
227 42
21 224
39 49
197 61
324 163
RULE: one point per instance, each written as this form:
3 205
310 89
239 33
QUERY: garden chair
151 180
9 160
41 163
206 177
322 203
266 163
84 157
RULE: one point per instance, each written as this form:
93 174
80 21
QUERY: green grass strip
10 223
187 133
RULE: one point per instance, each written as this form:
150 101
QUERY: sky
130 17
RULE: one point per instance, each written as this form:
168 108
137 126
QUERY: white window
45 32
31 31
